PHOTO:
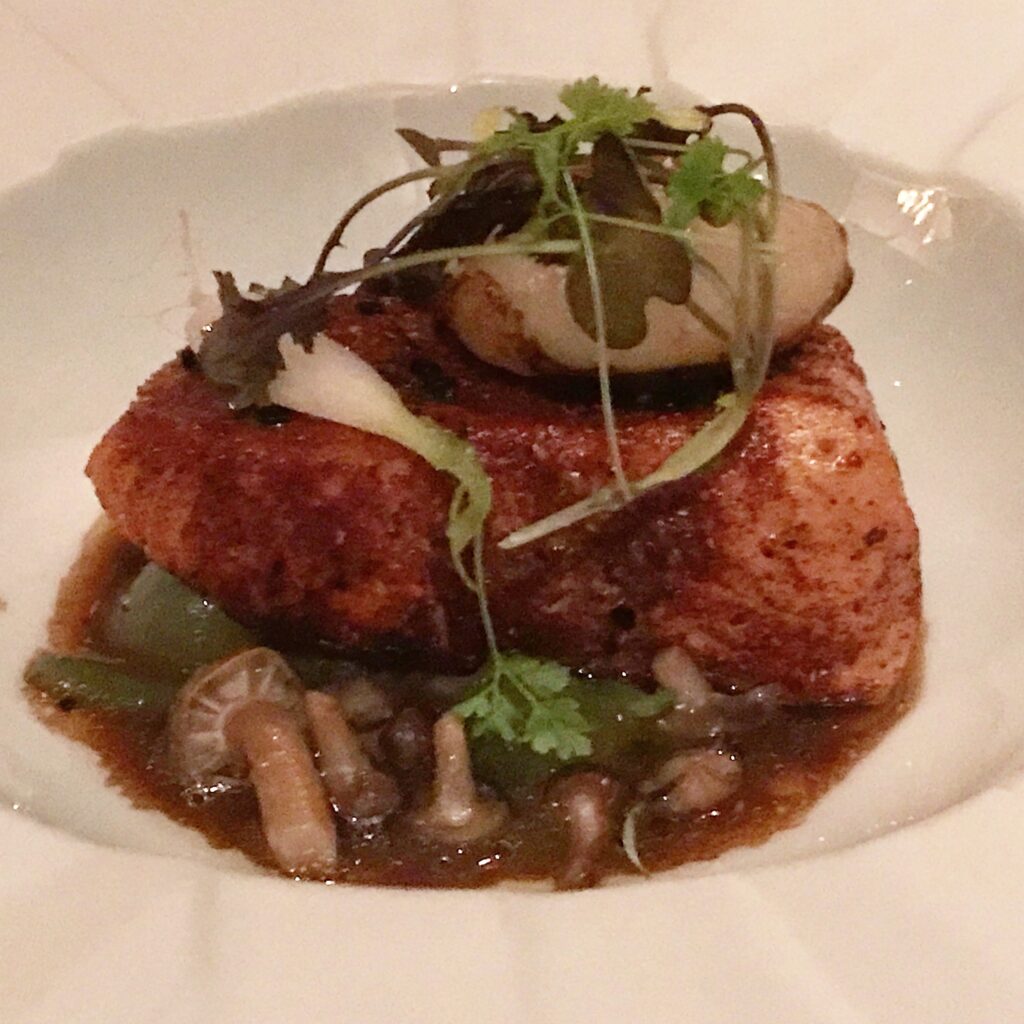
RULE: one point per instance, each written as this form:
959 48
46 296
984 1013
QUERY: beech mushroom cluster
245 720
248 720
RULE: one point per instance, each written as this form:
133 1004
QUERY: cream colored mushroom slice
511 311
243 720
457 813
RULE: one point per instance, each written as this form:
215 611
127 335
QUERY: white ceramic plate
95 298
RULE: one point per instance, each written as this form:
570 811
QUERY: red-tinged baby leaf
240 351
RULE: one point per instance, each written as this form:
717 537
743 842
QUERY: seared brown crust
793 560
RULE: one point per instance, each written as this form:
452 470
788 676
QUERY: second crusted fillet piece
791 560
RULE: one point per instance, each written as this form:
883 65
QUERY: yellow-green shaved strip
698 451
332 382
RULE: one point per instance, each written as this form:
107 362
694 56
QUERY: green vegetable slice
332 382
161 622
94 683
693 455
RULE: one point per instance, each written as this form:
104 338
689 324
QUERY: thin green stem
481 594
705 266
600 329
329 284
739 351
658 147
360 204
767 148
679 234
698 312
461 174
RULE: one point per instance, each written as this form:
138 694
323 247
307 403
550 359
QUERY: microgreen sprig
521 700
603 372
595 108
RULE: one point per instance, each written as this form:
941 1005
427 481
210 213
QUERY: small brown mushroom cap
200 746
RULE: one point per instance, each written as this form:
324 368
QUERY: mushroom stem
357 789
695 781
457 812
296 816
586 799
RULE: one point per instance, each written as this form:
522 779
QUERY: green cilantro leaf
557 726
598 108
702 187
540 705
493 713
519 699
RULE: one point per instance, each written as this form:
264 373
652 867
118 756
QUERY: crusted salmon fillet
792 560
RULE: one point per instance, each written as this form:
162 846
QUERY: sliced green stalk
696 452
93 683
629 838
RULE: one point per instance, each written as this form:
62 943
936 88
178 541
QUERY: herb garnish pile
610 189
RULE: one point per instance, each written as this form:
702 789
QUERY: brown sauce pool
789 758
